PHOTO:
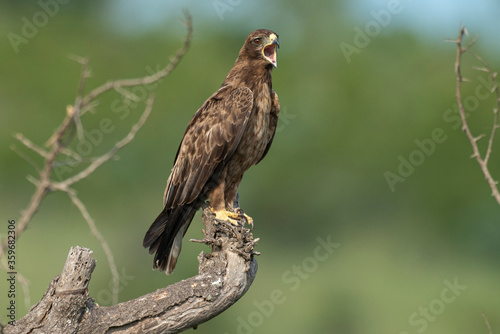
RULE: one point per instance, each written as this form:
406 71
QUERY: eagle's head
261 45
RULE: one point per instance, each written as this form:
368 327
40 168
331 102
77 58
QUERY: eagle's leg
234 203
217 202
245 217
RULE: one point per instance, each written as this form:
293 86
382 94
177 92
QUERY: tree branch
65 187
104 244
59 141
483 162
111 153
224 277
56 140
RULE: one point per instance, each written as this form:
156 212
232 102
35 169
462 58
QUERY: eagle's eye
257 40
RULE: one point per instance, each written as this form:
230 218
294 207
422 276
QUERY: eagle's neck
250 73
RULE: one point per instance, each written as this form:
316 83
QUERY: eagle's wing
275 111
210 139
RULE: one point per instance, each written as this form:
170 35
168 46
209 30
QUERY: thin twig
486 68
44 183
487 323
495 124
78 102
61 131
25 157
24 282
104 244
128 95
71 154
483 162
103 158
29 144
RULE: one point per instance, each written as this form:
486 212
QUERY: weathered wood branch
224 277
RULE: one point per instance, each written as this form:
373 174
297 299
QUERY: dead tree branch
58 144
481 159
224 277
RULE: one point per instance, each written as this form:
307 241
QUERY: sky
425 17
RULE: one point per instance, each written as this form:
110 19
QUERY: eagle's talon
226 216
245 217
249 221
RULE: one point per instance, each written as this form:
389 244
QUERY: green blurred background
346 122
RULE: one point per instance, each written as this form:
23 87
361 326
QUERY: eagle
231 131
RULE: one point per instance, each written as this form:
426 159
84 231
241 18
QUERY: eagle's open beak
269 50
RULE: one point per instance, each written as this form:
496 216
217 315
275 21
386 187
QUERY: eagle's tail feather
165 235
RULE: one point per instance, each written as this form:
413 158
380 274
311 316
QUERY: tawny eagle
231 131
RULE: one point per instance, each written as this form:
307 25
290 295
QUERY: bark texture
224 277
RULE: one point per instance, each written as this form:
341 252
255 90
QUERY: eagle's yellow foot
224 215
249 220
245 217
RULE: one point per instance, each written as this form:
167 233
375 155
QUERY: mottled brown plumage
231 131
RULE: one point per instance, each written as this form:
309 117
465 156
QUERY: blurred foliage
343 126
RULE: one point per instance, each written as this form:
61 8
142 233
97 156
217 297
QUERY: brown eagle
231 131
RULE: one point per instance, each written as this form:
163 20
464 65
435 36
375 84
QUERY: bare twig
29 144
102 159
482 161
487 323
25 157
23 281
70 153
78 103
104 244
486 68
63 128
